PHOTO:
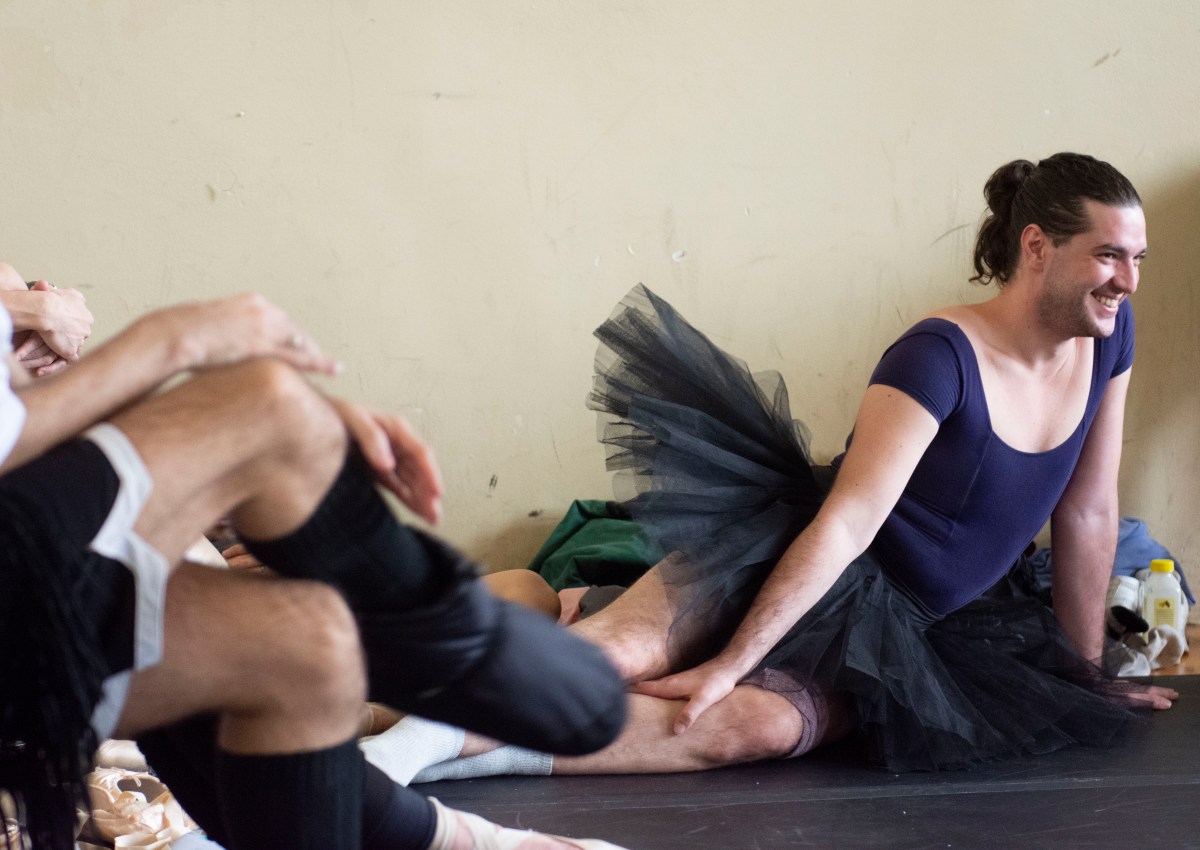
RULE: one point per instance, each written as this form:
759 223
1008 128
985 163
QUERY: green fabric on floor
595 543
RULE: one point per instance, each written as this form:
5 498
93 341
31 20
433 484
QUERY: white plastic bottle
1162 600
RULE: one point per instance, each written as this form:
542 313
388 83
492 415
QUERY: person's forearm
114 375
804 574
1084 548
26 309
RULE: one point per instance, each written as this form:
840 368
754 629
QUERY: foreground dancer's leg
436 641
262 731
279 663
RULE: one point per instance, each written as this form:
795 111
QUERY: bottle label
1163 613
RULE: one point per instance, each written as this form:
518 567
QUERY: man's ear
1034 245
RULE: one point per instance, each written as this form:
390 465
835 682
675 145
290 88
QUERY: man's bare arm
148 352
1084 526
1084 529
891 434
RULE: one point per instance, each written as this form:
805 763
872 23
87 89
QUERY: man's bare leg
750 724
642 632
525 587
279 660
253 439
275 663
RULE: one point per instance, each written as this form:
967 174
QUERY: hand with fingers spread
403 463
702 686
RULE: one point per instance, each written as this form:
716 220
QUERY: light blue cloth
1135 550
195 840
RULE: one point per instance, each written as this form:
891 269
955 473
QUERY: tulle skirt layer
708 458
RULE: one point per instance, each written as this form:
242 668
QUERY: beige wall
452 194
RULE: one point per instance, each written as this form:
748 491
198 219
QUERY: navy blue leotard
973 503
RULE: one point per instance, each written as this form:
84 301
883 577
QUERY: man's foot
464 831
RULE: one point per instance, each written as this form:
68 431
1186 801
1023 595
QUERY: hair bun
1004 183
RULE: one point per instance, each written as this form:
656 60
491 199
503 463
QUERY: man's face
1089 275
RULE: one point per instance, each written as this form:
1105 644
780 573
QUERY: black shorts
66 525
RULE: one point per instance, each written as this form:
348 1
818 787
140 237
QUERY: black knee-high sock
184 755
353 541
394 817
302 801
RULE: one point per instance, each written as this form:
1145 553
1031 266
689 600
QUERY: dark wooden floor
1145 794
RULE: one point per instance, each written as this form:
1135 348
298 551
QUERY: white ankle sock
411 745
502 761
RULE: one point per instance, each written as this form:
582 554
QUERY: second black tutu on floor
708 458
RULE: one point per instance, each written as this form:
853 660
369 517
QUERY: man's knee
281 399
314 662
755 724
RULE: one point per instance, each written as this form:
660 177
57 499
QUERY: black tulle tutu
709 459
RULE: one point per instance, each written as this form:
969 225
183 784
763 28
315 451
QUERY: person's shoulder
949 323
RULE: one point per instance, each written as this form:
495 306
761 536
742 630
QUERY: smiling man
801 603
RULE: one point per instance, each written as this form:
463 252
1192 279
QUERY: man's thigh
248 644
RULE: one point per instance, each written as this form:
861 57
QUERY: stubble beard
1062 309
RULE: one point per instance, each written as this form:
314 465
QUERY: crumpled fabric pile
1162 646
130 807
1143 649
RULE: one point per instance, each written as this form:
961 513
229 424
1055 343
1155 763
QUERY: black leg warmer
437 642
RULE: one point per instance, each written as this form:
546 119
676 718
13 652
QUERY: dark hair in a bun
1050 195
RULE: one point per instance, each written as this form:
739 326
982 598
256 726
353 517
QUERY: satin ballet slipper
135 810
122 754
492 836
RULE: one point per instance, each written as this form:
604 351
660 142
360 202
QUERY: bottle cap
1162 565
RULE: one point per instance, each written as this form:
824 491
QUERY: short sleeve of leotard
12 412
1124 334
924 365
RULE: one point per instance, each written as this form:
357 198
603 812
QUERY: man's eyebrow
1119 249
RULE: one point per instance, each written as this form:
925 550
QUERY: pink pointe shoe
491 836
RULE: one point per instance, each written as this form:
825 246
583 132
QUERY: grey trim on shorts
117 541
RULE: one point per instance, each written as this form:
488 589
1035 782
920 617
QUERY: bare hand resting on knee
403 463
702 686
